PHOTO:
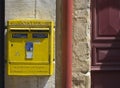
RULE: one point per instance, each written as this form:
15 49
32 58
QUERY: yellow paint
37 59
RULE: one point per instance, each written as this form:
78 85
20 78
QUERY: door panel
105 80
105 43
106 54
106 16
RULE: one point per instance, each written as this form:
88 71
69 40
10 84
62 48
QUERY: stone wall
81 44
43 9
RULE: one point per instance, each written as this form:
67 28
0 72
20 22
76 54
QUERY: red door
105 43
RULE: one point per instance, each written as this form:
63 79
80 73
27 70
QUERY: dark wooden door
105 43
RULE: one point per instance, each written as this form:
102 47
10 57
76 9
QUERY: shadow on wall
42 81
25 82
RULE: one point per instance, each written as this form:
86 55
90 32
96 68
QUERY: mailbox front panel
29 50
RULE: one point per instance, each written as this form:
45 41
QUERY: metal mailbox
30 47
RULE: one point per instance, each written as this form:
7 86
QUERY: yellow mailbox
30 47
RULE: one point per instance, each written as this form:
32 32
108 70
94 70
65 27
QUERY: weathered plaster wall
43 9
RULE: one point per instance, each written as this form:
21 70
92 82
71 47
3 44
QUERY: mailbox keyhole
11 45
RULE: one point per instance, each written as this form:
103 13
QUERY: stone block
80 49
81 13
79 31
81 57
80 64
80 4
81 80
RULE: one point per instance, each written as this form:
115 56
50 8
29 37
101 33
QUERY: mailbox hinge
49 59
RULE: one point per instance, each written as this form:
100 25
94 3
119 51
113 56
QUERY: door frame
2 28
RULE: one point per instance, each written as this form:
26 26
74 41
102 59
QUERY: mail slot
30 47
